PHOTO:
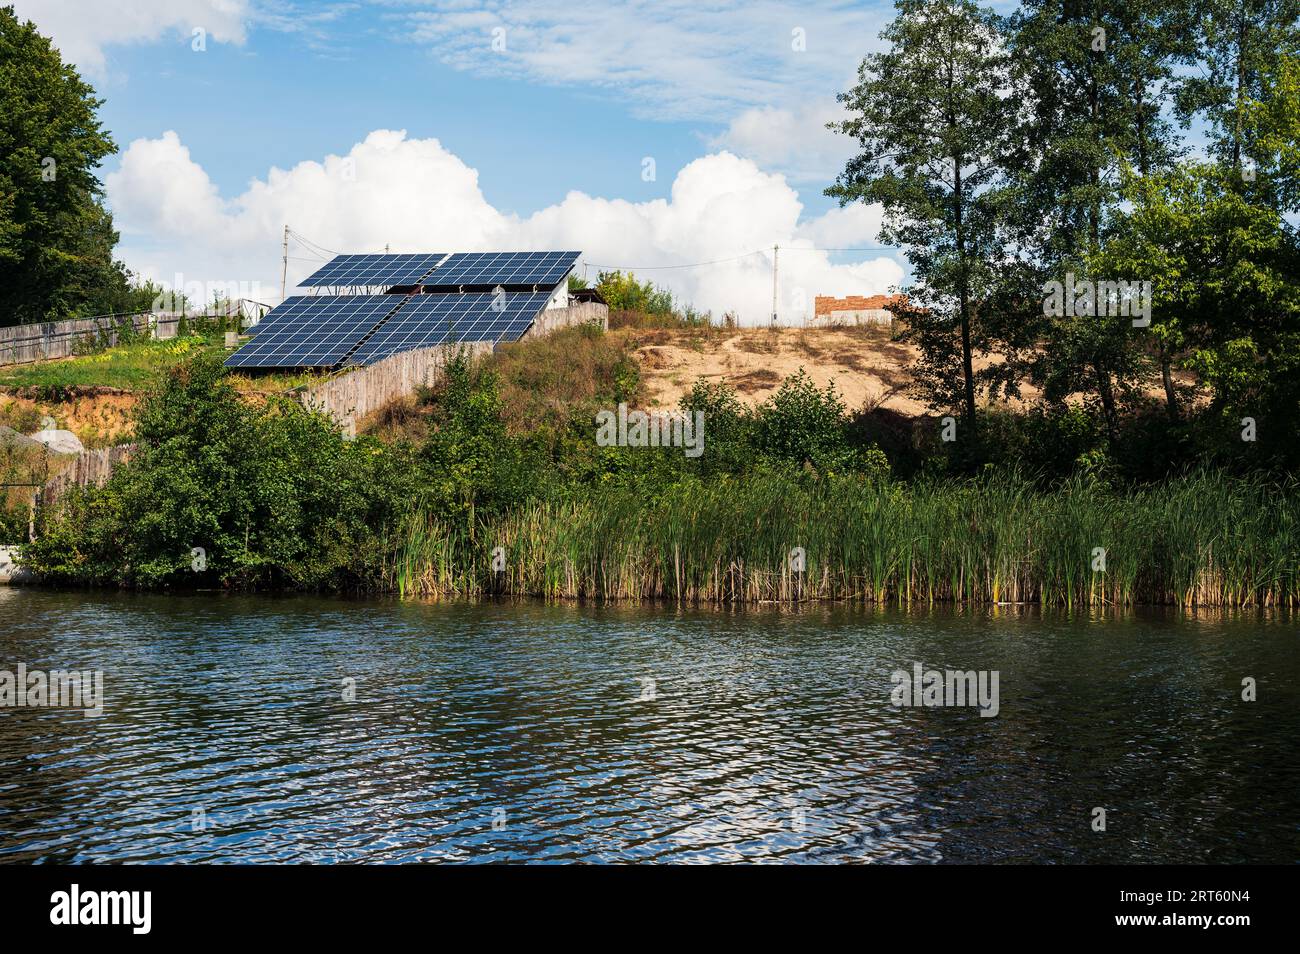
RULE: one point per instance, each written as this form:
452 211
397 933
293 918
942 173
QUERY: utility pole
775 250
284 263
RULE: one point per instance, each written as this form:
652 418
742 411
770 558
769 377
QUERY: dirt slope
865 366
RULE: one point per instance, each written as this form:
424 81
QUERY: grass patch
131 367
544 383
138 366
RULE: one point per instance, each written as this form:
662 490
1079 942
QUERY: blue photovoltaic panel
428 320
542 269
313 331
374 270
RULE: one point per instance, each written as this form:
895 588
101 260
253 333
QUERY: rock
10 438
10 572
61 442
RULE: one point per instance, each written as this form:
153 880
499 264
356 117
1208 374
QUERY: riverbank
496 481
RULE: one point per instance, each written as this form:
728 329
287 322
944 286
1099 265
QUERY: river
257 729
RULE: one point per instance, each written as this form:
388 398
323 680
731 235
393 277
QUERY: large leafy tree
932 120
1098 80
1095 78
1238 46
56 239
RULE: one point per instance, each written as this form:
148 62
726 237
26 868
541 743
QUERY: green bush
222 493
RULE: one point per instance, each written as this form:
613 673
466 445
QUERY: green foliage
471 467
644 304
802 424
273 496
1227 299
624 293
13 523
56 240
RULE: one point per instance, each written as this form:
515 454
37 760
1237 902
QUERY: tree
1238 46
56 240
1274 125
1094 78
932 121
1097 81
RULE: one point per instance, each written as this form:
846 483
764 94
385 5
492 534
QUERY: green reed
1202 540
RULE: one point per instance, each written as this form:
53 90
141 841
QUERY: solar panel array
507 269
312 331
428 320
325 331
388 270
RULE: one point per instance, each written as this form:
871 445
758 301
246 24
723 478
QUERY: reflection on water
508 732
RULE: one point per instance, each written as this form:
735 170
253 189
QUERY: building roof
587 294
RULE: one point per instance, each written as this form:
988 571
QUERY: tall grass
1201 540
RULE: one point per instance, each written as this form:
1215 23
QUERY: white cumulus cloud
84 29
794 140
415 195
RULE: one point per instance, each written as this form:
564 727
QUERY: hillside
864 365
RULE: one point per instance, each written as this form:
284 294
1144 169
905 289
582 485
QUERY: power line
865 248
723 261
316 249
649 268
310 245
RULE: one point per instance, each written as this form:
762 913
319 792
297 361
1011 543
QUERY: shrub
222 493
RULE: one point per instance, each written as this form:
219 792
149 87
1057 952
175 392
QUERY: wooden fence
583 313
352 396
89 468
20 344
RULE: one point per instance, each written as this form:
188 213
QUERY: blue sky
279 99
443 125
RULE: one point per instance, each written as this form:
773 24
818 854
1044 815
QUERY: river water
248 729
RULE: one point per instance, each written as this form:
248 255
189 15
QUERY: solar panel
313 331
373 270
428 320
490 269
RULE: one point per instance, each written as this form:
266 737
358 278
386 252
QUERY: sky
649 136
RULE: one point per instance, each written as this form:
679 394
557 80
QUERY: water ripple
530 733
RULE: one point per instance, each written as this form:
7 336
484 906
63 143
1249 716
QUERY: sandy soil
865 366
98 416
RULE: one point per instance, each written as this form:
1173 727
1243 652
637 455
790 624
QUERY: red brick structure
853 309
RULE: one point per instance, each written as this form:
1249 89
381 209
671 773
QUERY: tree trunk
1241 89
1106 391
1171 396
1094 174
967 365
1143 160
